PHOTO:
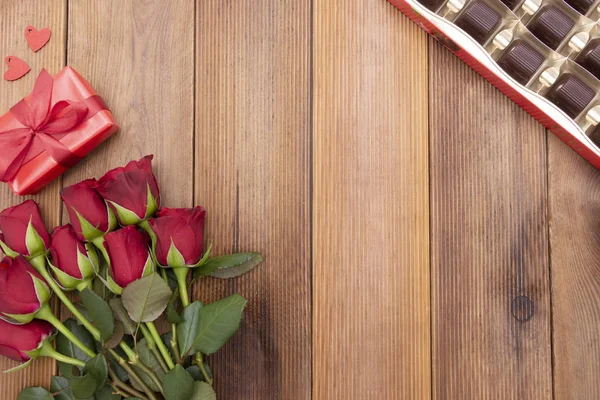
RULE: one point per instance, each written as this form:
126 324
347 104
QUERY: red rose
90 216
73 262
23 230
22 290
129 257
179 236
131 191
17 340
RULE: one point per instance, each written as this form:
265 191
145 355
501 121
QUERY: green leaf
117 336
146 299
195 372
34 393
66 347
178 384
147 357
83 387
98 285
100 313
218 322
94 378
106 393
203 391
187 330
229 266
172 315
121 315
61 388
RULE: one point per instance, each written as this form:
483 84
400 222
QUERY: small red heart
37 39
17 68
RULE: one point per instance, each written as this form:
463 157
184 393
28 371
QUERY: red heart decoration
17 68
37 39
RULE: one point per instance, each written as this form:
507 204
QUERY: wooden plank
371 331
489 240
139 55
253 177
15 15
574 243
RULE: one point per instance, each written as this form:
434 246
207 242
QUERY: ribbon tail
58 151
10 171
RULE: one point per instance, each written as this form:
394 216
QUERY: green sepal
33 241
18 319
7 250
89 231
85 264
126 217
113 223
204 257
152 204
42 290
19 367
112 285
64 280
149 268
174 257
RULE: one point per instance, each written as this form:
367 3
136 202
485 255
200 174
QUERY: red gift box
47 132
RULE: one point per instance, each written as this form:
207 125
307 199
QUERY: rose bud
89 214
179 236
20 342
131 191
129 257
74 263
22 290
23 230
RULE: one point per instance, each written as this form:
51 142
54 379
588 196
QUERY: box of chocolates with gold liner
543 54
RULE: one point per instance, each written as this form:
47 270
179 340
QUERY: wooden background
424 237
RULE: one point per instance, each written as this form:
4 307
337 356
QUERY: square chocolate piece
570 94
521 61
589 58
551 26
581 6
479 21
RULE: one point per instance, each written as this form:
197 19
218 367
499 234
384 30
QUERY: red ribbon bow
42 128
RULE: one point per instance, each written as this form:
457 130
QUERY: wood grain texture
489 240
15 15
139 56
371 330
574 202
252 174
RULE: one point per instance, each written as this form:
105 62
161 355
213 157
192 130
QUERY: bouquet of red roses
131 262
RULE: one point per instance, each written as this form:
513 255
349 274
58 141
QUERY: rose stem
48 351
40 266
200 363
134 359
159 343
45 313
132 374
117 383
174 345
181 274
152 347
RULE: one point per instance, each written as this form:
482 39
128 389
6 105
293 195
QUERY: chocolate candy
512 4
570 94
551 26
582 6
433 5
589 58
479 21
520 61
